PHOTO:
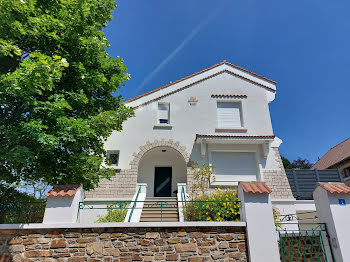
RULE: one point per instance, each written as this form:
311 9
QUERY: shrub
276 217
19 207
202 176
113 215
225 207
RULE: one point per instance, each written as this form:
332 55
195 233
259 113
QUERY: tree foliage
286 163
56 85
19 207
299 163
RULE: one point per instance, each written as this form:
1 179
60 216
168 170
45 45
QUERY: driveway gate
307 243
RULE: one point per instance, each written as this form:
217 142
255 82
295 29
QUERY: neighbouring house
337 157
218 116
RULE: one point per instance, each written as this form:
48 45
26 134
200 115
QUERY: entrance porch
162 168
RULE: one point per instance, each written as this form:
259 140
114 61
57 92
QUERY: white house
219 116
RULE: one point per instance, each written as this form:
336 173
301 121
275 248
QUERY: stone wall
120 186
277 180
124 244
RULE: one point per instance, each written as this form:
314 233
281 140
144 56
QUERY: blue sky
303 45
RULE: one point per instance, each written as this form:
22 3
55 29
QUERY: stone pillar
332 202
256 211
62 204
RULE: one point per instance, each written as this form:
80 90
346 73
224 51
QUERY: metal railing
302 244
134 204
194 210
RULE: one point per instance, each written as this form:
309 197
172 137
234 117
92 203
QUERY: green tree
286 163
298 163
56 85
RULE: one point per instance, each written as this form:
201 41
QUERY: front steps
151 211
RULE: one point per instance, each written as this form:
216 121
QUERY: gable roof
335 155
204 70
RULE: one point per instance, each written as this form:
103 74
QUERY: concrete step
159 215
152 219
161 199
157 210
152 211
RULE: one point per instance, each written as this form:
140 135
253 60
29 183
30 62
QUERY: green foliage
299 163
56 85
113 215
202 177
19 207
225 207
276 216
286 163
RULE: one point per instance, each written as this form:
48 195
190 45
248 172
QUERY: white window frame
233 101
258 176
109 152
158 116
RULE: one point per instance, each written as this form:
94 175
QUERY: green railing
134 204
22 212
304 244
193 210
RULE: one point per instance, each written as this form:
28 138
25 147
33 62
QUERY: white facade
226 106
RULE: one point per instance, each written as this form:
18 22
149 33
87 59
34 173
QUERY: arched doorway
162 168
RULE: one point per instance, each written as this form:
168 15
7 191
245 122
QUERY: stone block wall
192 244
122 186
277 180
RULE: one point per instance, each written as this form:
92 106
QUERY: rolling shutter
163 112
233 167
229 115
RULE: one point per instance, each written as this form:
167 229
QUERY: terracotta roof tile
229 95
335 155
255 187
63 190
199 72
335 188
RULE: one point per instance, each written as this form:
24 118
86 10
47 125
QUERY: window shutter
233 167
229 115
163 111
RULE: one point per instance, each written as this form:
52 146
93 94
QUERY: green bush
18 207
225 207
113 215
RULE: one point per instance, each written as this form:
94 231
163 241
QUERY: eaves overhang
233 139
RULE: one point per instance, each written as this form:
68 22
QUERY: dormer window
163 113
229 115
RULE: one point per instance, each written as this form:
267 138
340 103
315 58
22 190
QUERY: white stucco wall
63 209
336 217
186 121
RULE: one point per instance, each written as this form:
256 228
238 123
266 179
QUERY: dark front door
162 182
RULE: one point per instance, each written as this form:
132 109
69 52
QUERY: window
346 172
234 166
229 115
113 156
163 113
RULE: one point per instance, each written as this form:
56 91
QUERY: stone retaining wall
124 244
